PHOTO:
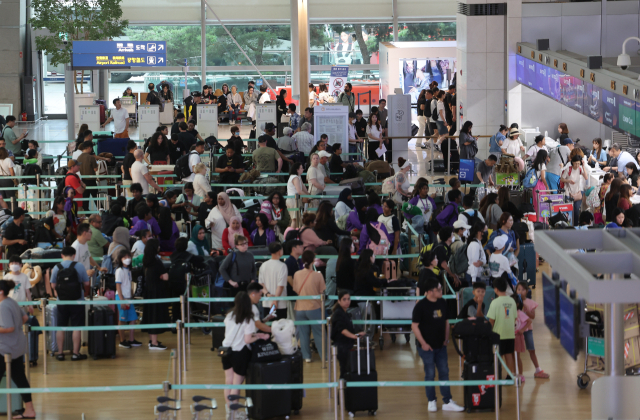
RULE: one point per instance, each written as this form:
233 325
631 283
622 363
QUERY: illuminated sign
118 54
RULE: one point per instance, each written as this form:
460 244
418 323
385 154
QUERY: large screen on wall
627 116
593 105
520 64
416 74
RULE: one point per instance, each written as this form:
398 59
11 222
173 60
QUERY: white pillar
295 56
203 42
69 92
303 51
394 11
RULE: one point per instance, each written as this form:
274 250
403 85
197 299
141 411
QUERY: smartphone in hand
273 310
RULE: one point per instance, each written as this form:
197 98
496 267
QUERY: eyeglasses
244 244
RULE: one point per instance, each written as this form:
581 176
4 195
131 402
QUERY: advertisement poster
548 200
593 107
542 79
610 102
467 170
566 209
627 115
507 179
554 84
530 73
417 74
338 79
520 69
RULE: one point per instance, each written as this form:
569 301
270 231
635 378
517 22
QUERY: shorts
507 346
442 129
127 315
433 126
70 315
238 361
528 340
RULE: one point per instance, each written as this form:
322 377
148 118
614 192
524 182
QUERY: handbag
577 196
15 181
265 351
225 351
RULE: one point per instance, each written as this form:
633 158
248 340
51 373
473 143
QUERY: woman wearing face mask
124 291
14 342
475 253
22 291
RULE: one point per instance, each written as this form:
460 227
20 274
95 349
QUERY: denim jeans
432 359
304 331
576 211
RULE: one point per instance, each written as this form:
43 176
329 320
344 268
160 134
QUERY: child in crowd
498 263
475 307
21 292
530 310
169 199
138 246
502 315
124 291
523 322
455 186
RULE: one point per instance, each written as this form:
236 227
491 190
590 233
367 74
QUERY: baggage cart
393 310
594 346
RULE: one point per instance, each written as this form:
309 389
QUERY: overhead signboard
119 54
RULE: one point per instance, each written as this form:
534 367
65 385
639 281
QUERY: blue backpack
530 178
219 279
107 261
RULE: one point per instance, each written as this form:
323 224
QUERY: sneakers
157 347
433 407
450 406
307 360
125 344
60 357
78 356
135 343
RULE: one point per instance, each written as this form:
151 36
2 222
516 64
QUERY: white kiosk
207 120
399 124
166 116
90 115
148 120
265 113
334 122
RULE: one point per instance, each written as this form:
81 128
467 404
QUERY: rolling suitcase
33 341
217 333
390 269
362 358
297 377
480 397
361 399
102 343
269 404
50 320
527 264
117 147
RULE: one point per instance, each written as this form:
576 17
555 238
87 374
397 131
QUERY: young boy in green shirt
502 314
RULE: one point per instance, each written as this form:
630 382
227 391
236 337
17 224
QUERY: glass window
264 44
53 87
183 41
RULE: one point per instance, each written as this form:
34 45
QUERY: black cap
269 126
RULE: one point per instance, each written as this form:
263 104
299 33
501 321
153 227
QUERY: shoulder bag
225 351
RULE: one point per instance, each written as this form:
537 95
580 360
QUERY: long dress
155 288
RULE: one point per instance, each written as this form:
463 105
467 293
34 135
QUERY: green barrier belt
122 388
425 383
505 366
259 386
106 327
112 302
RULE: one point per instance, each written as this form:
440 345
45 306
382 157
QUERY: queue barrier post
433 163
13 203
166 387
517 383
39 203
27 361
181 355
183 341
175 368
496 369
43 305
188 308
342 399
330 360
7 362
323 351
332 378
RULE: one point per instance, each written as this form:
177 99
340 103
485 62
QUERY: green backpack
459 262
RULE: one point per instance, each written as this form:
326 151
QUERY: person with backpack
70 281
449 213
185 167
374 234
537 173
475 256
460 234
470 215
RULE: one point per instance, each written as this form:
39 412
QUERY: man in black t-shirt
14 238
449 107
443 252
294 264
175 127
176 149
361 125
206 206
229 166
185 137
430 325
136 193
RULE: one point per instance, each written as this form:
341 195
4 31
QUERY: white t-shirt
373 131
137 248
512 147
5 165
577 177
533 151
18 293
291 188
194 159
440 106
234 333
76 154
119 119
82 254
123 276
273 273
341 209
475 253
138 171
542 168
498 264
59 221
265 97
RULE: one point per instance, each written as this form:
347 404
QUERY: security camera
624 61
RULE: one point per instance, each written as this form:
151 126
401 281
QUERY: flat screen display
554 84
520 69
530 73
610 103
416 74
542 78
550 291
627 116
569 324
593 106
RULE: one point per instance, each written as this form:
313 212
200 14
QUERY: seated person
111 219
136 192
168 230
138 247
229 166
228 236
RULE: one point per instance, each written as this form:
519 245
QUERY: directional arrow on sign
160 59
161 47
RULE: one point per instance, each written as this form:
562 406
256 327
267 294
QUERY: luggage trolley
594 345
392 310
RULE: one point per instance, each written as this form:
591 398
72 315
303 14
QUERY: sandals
542 374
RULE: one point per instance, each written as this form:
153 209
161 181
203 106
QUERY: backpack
459 262
471 220
383 247
182 169
33 170
107 260
67 285
389 185
219 279
434 113
593 199
530 178
477 338
61 185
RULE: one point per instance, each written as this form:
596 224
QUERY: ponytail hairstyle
308 257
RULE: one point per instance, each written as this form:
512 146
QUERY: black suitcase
33 341
366 398
297 377
480 397
527 264
102 343
217 333
269 404
438 166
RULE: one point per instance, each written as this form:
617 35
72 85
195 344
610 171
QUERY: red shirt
73 181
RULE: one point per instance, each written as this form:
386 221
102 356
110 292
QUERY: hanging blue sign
119 54
467 169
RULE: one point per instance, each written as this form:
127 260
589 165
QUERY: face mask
465 233
14 268
126 261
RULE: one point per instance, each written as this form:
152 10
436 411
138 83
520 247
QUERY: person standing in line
12 141
347 98
430 325
140 173
120 118
502 314
273 276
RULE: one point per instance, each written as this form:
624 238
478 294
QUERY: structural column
303 54
12 32
203 42
295 56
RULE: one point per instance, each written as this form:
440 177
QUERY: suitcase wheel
372 412
352 415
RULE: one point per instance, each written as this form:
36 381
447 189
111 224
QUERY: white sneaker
451 406
307 360
433 407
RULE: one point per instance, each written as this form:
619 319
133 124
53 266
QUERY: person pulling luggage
342 332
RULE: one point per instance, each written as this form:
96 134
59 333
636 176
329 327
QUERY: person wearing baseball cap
73 180
498 263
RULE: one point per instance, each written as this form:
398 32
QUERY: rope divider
105 327
112 302
504 364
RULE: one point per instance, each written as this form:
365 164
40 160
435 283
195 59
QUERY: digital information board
606 107
119 54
